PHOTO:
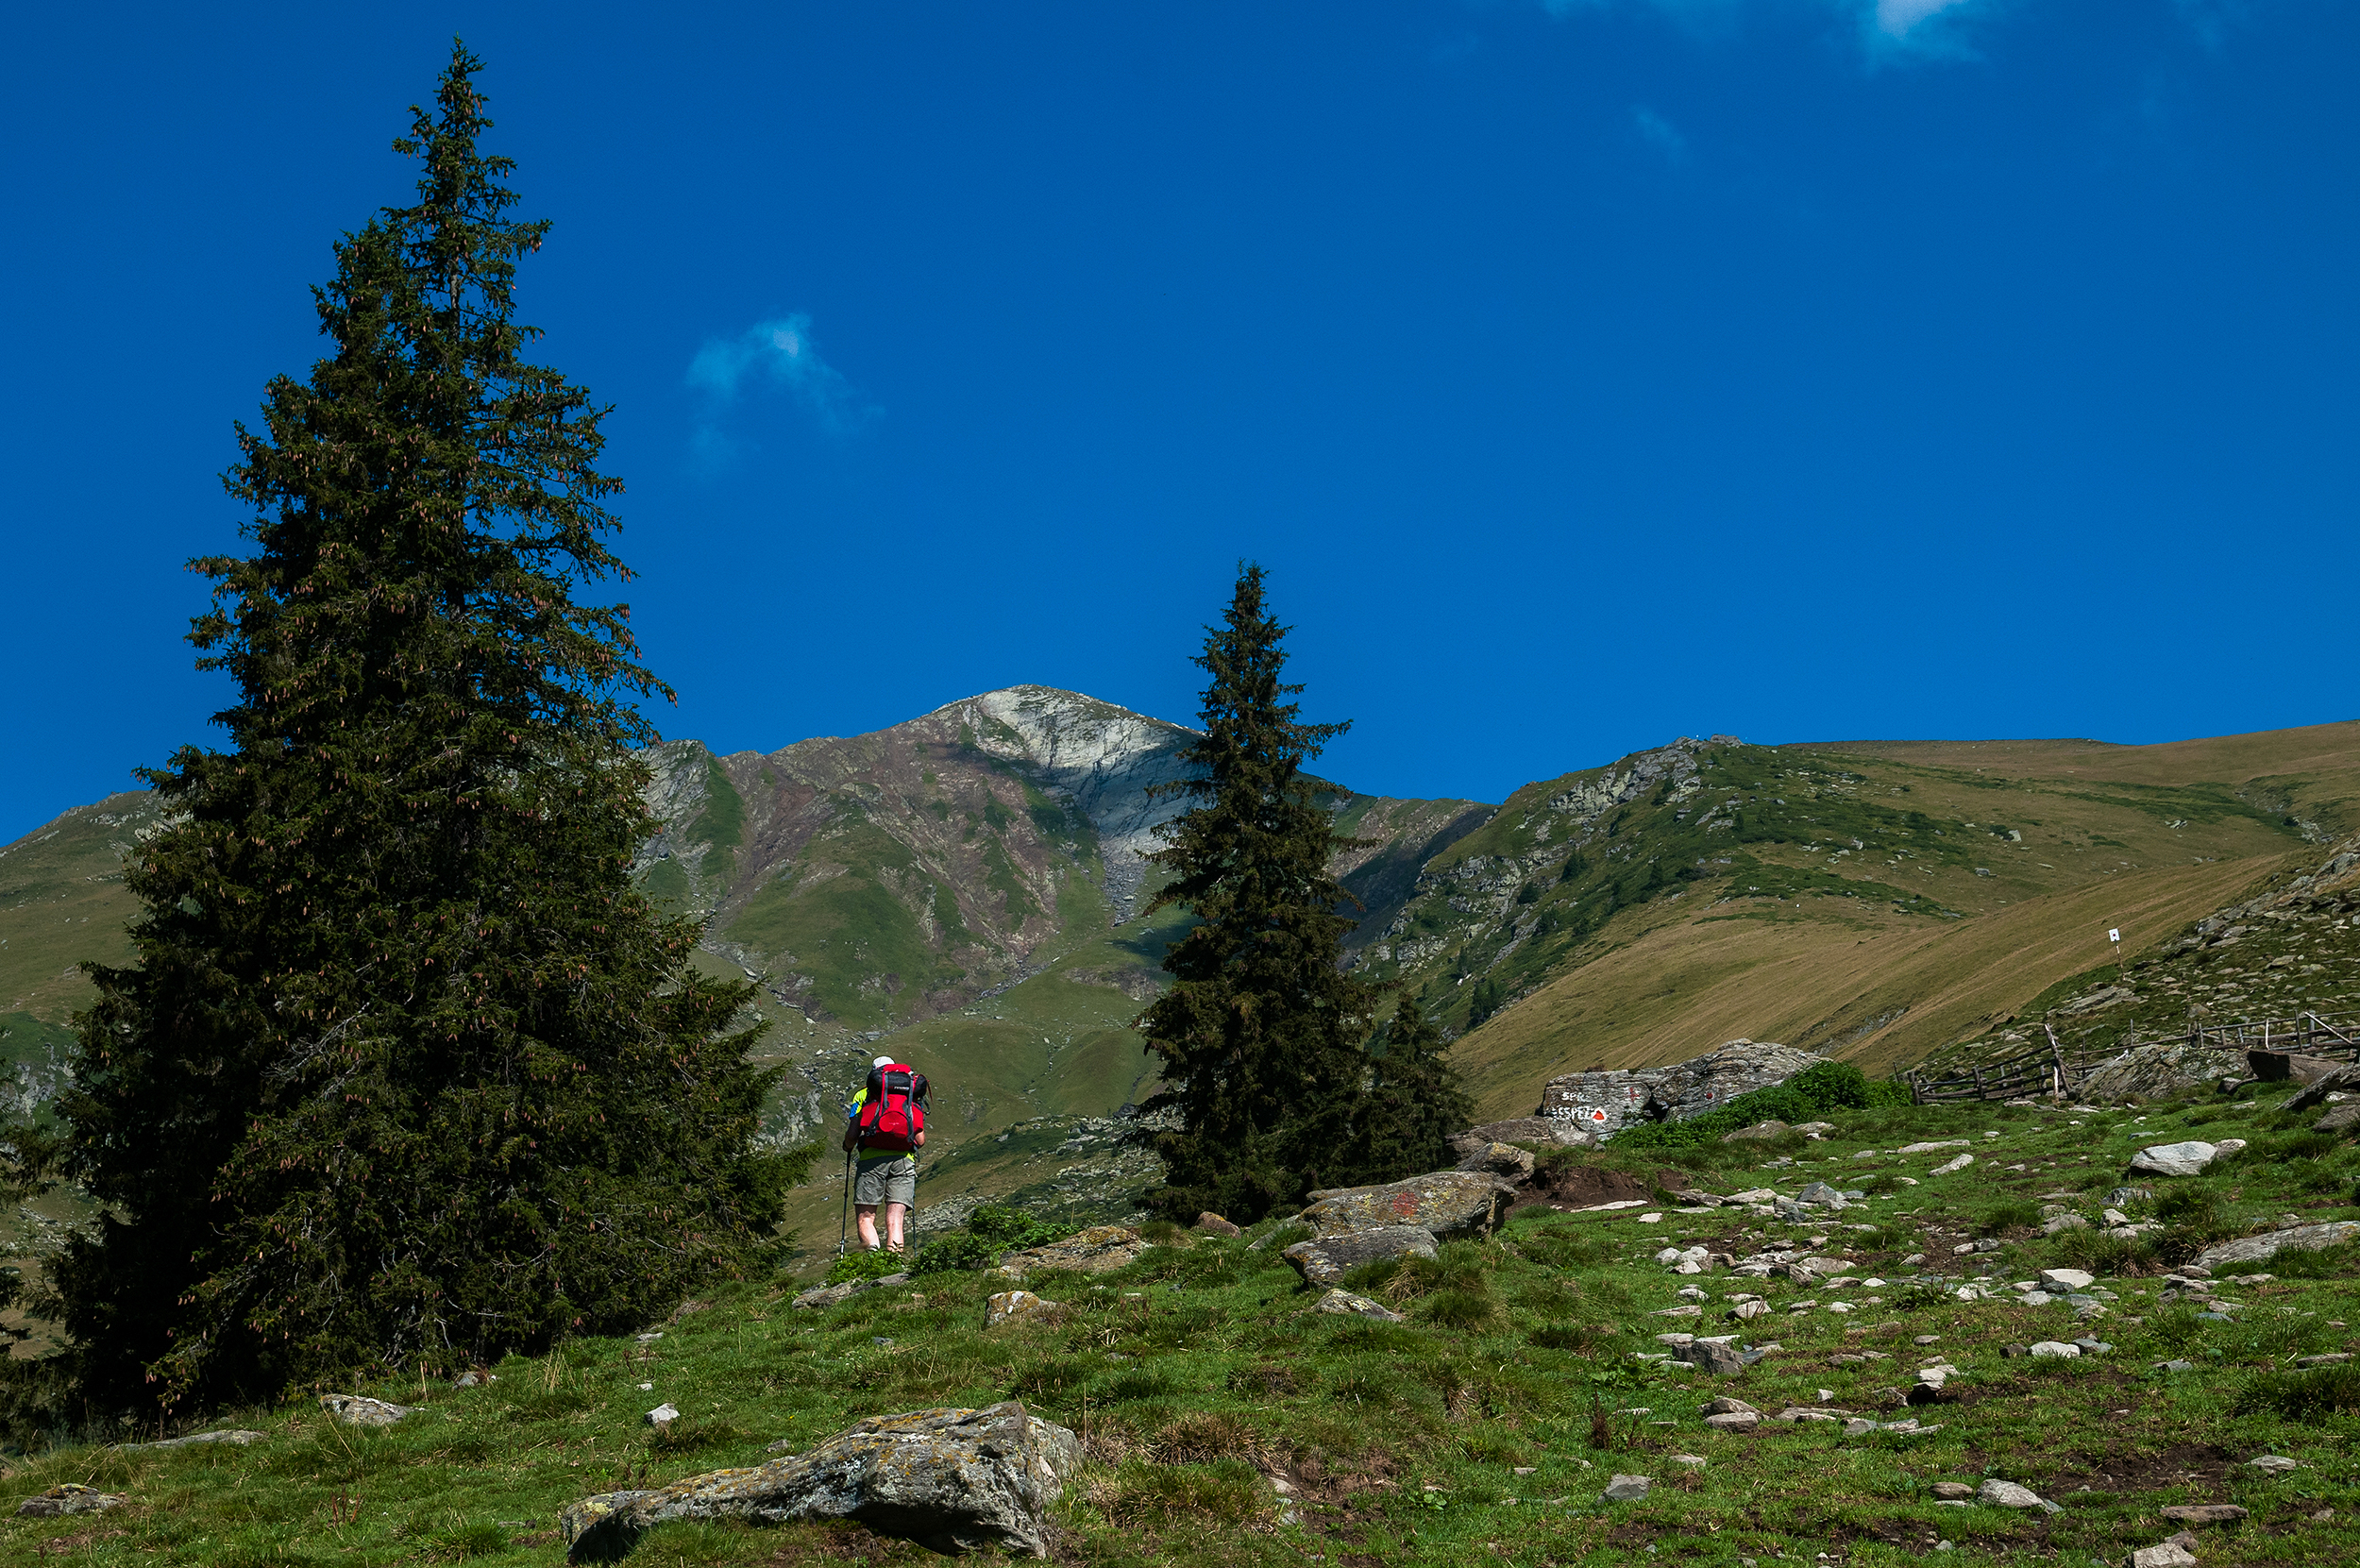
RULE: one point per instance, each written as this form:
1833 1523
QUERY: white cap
881 1061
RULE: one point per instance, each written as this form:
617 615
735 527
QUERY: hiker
886 1126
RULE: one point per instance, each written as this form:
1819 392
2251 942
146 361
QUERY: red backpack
894 1112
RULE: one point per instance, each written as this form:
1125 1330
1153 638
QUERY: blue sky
1585 372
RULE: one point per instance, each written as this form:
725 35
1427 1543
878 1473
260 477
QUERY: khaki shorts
890 1180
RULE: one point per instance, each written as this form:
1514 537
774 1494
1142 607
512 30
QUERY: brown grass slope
2142 839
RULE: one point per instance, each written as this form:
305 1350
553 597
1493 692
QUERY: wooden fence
2051 1072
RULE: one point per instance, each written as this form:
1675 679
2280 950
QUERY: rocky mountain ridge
972 885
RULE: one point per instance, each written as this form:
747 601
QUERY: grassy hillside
1879 901
963 889
1485 1429
62 903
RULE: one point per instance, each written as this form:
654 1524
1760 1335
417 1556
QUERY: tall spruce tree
407 1074
1261 1032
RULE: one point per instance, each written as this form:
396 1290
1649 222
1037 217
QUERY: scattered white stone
238 1436
359 1410
2057 1348
2176 1159
2065 1279
1628 1489
663 1415
69 1497
2007 1495
1650 1219
1959 1164
2170 1555
1344 1303
2277 1464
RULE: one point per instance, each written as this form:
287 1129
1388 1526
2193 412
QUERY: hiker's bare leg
894 1213
865 1222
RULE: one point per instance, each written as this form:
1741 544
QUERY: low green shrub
857 1264
1229 1492
1561 1246
2010 1216
1810 1095
1461 1309
2315 1263
993 1231
1456 1266
2306 1396
2095 1252
2193 1206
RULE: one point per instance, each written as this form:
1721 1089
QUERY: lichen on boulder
1091 1252
1446 1204
1328 1258
951 1479
2146 1071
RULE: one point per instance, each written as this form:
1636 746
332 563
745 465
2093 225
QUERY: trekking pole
844 1231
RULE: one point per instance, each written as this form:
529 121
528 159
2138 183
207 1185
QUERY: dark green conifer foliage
1416 1105
407 1074
1261 1032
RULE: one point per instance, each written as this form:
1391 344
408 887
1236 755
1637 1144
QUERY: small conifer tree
1416 1105
1263 1030
407 1074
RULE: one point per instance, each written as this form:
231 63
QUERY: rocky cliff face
889 877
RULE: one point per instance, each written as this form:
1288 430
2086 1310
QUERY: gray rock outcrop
1445 1204
236 1437
949 1479
829 1295
2344 1079
1009 1306
69 1497
1605 1103
2146 1072
1091 1252
1328 1258
354 1409
1521 1129
2255 1249
2180 1159
2278 1066
1344 1304
1504 1160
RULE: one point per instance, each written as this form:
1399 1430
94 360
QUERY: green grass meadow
1484 1430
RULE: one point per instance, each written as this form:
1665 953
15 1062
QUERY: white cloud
1661 133
1884 22
1895 18
777 355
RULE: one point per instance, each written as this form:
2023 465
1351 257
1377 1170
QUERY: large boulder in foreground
949 1479
1445 1204
1327 1261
